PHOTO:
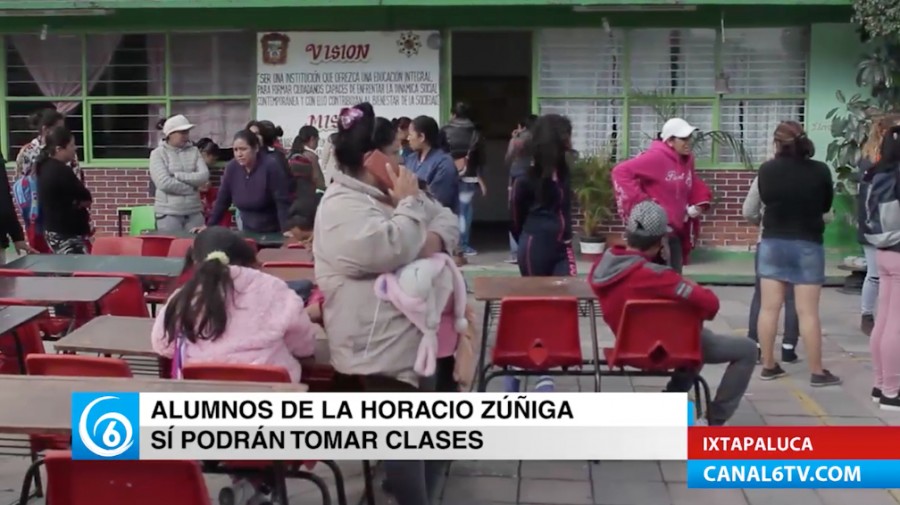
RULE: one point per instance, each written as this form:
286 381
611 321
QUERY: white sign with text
306 78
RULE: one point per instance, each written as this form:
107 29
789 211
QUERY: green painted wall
398 17
836 49
256 4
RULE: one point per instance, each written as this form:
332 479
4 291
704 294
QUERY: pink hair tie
348 116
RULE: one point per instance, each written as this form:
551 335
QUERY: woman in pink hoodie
231 312
665 174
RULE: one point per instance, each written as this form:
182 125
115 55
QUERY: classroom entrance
492 72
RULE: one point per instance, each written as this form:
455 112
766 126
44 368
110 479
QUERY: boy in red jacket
626 273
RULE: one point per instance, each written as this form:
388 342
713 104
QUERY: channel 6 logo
105 426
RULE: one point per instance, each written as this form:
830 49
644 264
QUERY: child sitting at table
228 311
626 273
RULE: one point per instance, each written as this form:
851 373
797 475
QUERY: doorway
491 71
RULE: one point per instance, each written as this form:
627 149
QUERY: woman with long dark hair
883 232
796 191
542 202
542 211
375 220
63 199
871 154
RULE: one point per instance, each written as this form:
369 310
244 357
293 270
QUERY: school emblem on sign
409 44
274 47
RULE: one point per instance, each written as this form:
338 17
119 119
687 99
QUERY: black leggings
543 255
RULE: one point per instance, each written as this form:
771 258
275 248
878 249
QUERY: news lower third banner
416 426
775 457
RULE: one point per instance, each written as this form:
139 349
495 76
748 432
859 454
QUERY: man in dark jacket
10 229
626 273
463 141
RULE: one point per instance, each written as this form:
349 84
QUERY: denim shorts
791 261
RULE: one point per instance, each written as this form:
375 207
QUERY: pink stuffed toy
426 291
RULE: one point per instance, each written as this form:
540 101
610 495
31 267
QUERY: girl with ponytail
229 311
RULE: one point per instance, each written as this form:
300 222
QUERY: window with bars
619 86
114 88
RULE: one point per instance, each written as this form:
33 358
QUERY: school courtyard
790 401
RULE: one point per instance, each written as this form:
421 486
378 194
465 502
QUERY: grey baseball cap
647 219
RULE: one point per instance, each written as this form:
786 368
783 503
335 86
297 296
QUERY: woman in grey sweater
178 171
753 211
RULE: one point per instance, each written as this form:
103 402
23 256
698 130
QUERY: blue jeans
870 286
466 209
791 261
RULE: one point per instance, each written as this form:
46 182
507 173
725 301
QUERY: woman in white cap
178 172
665 174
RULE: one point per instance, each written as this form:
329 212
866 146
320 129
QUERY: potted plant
593 190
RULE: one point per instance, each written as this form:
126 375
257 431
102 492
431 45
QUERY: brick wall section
722 227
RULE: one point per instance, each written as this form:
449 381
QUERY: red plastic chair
53 326
127 299
29 337
536 335
117 246
656 338
289 264
265 373
15 272
252 243
71 365
228 372
155 245
117 482
67 365
180 247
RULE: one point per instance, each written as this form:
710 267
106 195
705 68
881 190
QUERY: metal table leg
592 313
482 353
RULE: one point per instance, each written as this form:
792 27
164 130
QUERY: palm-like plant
593 189
666 106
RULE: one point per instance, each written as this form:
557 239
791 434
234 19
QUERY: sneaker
512 384
789 355
775 372
468 251
867 324
512 260
241 492
826 378
758 355
876 395
889 403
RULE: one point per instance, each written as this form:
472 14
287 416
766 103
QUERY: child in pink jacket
244 316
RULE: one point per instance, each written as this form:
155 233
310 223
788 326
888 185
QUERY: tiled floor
790 401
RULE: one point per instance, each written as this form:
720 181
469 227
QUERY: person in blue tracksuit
542 202
542 211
